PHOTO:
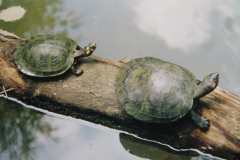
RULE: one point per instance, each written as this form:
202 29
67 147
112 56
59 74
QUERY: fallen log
91 97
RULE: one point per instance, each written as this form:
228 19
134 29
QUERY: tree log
91 97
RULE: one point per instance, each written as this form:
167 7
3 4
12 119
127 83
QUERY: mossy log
91 97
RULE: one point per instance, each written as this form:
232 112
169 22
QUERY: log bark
91 97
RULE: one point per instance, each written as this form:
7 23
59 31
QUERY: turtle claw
201 121
76 72
204 123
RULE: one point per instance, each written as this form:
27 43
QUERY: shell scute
45 55
153 90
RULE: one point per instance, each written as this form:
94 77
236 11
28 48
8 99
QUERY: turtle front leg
75 70
201 121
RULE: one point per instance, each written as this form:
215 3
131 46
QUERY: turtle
50 55
153 90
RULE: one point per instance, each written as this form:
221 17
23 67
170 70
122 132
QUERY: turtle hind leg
76 71
201 121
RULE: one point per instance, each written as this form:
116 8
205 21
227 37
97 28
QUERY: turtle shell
153 90
45 55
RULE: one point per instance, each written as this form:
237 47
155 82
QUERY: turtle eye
92 45
215 76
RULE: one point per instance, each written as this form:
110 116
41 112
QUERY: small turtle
153 90
50 55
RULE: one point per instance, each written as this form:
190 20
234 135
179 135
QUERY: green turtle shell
45 55
153 90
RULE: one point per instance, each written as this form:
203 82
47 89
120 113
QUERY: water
31 133
203 36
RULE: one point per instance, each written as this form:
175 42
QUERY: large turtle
153 90
50 55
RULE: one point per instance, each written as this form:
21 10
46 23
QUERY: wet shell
153 90
45 55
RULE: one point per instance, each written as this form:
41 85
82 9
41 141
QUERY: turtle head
89 49
211 81
208 84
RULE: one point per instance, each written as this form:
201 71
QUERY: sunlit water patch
12 13
31 133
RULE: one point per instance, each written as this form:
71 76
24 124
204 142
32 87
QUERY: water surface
28 133
203 36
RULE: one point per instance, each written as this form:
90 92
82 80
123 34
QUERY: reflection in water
27 133
181 24
203 36
12 13
199 35
185 24
154 151
19 129
42 17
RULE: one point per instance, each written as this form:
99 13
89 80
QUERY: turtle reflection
155 151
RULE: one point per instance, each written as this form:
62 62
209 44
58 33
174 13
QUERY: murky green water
27 133
203 36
